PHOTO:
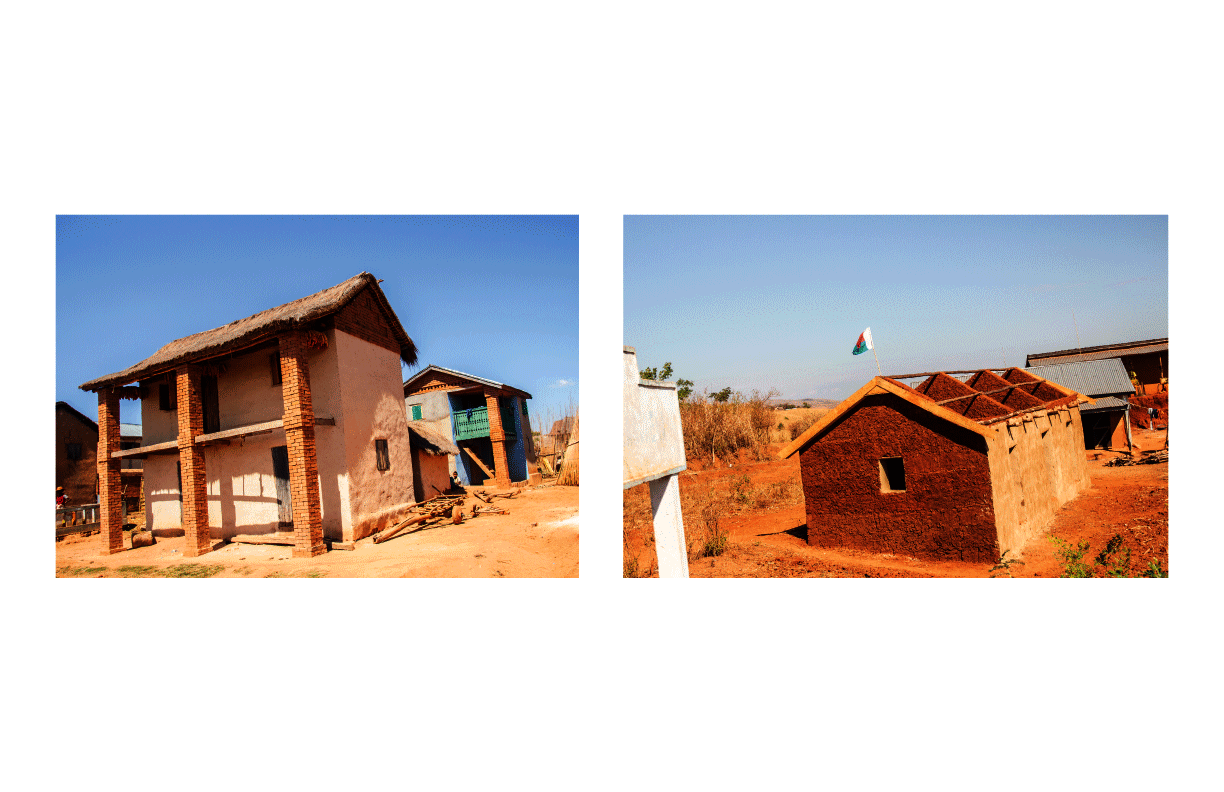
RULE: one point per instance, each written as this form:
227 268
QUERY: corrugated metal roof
131 430
1089 377
1098 353
1105 403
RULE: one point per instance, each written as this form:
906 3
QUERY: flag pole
877 358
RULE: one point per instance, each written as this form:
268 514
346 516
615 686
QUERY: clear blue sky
492 296
760 302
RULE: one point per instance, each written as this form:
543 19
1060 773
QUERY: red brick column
300 437
497 434
110 503
191 457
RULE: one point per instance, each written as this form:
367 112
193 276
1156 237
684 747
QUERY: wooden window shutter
380 451
416 412
274 363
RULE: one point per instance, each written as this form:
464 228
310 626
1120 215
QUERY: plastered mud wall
946 511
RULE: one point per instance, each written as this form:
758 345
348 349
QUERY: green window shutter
416 412
524 403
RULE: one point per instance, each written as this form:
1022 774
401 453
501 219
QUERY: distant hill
822 404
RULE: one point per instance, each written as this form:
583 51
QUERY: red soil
767 526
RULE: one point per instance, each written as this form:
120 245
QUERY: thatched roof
262 326
432 440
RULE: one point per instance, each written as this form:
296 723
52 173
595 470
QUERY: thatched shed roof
264 325
430 439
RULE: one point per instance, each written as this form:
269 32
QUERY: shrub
714 430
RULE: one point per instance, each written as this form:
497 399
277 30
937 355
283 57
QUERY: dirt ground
538 538
760 506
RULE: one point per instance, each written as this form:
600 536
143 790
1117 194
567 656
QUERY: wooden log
476 459
392 531
269 538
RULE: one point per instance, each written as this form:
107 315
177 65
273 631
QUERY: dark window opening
74 450
380 451
274 364
211 404
892 475
167 396
178 466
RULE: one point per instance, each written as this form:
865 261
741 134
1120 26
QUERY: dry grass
714 430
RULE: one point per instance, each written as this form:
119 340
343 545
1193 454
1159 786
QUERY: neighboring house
288 421
948 470
76 455
486 420
1107 419
1148 360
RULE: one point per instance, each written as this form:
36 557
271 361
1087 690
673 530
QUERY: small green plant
1115 558
1005 564
1154 571
631 567
1072 558
716 538
741 490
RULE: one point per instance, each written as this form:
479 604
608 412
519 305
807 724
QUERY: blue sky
492 296
760 302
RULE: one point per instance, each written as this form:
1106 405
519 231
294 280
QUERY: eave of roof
1098 352
470 377
258 328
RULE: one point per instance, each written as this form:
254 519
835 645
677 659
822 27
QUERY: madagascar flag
864 342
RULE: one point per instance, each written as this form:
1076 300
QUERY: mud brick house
1107 418
1149 360
486 420
288 421
76 455
947 470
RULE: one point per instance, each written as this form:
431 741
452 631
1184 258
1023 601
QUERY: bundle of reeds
569 468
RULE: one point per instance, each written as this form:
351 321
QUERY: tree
684 388
722 396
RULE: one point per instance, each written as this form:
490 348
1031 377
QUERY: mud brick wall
78 477
110 505
946 511
363 318
195 479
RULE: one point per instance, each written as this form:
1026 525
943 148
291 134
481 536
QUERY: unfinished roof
431 439
262 326
1089 377
1098 352
422 376
983 399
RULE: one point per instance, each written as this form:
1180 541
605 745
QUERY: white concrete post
668 527
654 452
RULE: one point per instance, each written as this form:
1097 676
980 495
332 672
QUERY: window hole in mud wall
380 451
892 475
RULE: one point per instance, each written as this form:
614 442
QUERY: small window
416 412
74 450
167 396
380 451
892 475
274 364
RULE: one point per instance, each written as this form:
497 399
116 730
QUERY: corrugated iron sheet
1104 403
1074 357
1090 377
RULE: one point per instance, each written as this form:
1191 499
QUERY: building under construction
946 470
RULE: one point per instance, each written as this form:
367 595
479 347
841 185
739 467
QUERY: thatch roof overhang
261 329
430 439
956 402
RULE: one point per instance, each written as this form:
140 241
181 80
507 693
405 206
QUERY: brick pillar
191 457
497 434
300 437
110 503
533 466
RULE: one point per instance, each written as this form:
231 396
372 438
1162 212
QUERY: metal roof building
1107 419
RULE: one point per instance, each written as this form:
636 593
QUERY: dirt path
538 538
760 506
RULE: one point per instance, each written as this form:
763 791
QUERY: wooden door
284 500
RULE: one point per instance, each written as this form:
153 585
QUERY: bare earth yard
760 506
538 538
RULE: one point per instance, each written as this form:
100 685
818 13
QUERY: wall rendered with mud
946 511
1036 467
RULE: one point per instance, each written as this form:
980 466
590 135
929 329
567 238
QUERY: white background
603 111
